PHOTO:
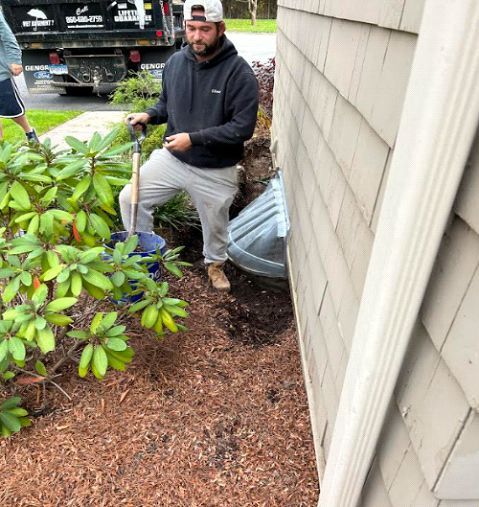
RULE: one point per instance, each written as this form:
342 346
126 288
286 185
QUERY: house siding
342 72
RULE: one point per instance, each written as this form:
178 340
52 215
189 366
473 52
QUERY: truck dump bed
91 45
78 22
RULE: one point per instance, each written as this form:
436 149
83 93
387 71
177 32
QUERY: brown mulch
216 416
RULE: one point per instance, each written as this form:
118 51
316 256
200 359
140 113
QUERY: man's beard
208 49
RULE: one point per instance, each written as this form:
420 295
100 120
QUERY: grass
40 120
244 25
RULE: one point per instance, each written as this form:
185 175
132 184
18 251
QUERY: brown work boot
217 277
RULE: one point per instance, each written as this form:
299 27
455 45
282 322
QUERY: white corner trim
439 120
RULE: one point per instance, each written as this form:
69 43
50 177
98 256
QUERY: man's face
203 37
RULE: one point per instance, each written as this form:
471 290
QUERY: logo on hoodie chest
214 90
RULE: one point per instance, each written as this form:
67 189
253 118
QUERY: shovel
135 173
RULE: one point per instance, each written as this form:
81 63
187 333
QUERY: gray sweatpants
211 190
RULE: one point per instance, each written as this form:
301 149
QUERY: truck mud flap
37 74
154 61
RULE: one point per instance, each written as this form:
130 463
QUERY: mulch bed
216 416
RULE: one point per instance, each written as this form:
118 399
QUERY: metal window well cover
257 236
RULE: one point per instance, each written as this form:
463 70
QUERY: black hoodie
215 101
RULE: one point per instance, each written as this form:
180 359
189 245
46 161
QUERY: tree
252 9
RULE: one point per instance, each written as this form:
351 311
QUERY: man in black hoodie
209 102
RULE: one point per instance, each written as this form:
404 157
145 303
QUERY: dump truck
89 46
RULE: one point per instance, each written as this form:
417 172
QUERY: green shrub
140 91
56 214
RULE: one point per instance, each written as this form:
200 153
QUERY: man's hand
136 118
16 69
178 142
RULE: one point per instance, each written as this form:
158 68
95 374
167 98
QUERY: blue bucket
149 243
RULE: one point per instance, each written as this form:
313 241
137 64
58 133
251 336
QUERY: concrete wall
342 72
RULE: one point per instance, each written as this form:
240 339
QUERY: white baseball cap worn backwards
213 10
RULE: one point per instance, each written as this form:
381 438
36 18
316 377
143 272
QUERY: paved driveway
251 46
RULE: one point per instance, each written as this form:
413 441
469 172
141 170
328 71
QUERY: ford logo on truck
42 74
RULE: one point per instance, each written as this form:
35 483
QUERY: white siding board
460 478
391 12
347 316
424 381
455 265
393 446
364 240
344 41
331 398
332 337
367 169
380 197
349 221
374 492
412 15
458 503
461 349
408 484
365 95
392 85
344 133
467 203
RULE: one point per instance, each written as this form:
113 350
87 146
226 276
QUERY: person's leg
12 107
161 177
23 122
212 192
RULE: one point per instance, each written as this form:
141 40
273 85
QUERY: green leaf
52 258
81 220
130 244
116 344
52 273
49 196
70 170
60 304
11 290
8 375
79 335
61 215
98 280
46 224
100 226
86 357
40 294
20 195
102 189
46 340
118 279
16 348
81 188
115 331
10 421
58 319
95 323
108 320
100 360
91 254
3 349
76 283
41 368
12 402
76 144
26 278
136 307
25 217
